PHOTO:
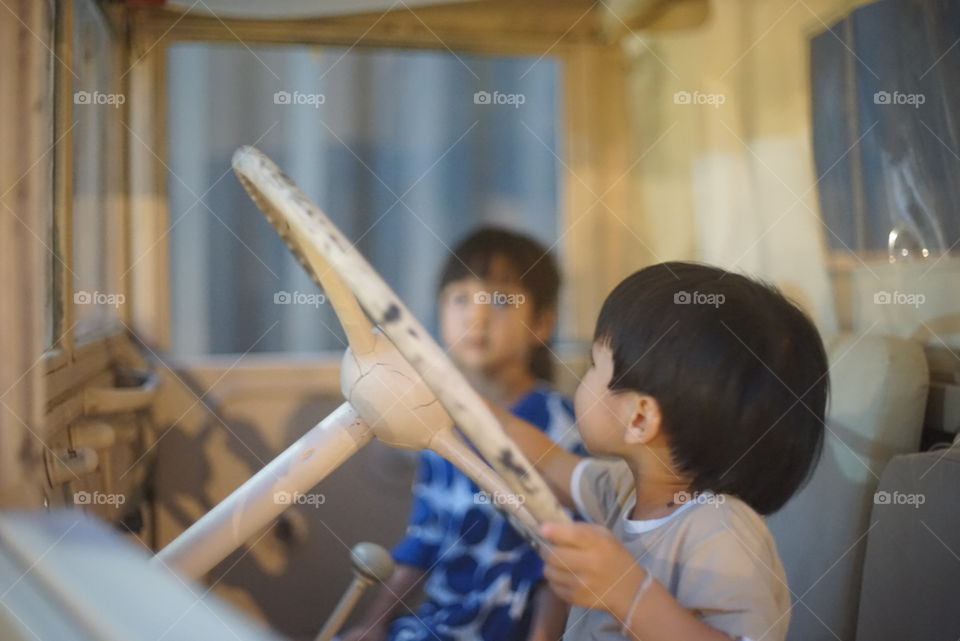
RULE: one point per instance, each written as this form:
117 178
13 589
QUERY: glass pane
404 150
885 98
96 119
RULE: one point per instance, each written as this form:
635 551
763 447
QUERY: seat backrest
877 400
911 574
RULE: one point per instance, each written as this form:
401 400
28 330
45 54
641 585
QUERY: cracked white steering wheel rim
317 242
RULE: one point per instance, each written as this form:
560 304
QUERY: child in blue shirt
498 294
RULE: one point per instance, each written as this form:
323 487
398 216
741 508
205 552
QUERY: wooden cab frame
48 377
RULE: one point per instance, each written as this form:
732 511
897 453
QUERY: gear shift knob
371 564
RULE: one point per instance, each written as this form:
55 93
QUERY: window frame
594 161
73 360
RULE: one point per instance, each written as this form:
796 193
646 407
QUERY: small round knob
371 561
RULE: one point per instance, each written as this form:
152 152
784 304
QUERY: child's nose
479 313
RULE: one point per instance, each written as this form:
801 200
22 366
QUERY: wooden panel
89 359
25 211
599 243
259 374
490 26
149 269
63 124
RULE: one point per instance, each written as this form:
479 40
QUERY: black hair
527 263
739 372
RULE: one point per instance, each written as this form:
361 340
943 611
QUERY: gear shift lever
371 564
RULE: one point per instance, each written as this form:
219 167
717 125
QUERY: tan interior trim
148 217
26 161
599 244
264 374
63 123
490 26
86 366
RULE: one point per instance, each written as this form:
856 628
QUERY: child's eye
458 298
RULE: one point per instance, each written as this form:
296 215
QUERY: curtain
723 111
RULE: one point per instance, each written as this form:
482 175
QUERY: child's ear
642 420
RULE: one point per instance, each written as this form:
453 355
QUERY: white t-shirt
714 554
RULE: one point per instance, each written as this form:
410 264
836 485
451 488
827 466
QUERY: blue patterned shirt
482 573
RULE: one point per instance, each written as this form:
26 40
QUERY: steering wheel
399 384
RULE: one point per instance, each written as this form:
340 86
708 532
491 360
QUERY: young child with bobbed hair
705 399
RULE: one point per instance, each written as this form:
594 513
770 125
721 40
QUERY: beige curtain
723 113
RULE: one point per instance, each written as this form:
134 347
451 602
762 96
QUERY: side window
884 145
96 128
